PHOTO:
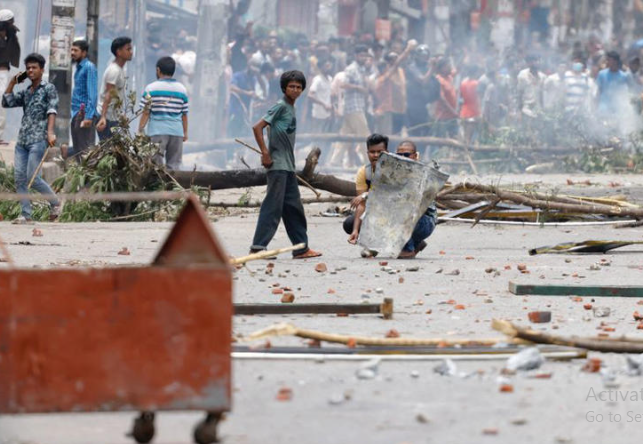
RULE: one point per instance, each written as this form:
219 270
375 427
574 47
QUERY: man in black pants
282 200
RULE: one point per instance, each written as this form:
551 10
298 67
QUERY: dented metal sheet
401 192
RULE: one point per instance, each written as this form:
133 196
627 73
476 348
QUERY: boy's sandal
307 255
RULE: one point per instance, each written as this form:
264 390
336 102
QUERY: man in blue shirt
613 88
83 100
39 102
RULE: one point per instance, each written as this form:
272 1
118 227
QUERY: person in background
242 93
9 56
578 88
83 100
470 110
530 91
446 113
39 102
165 114
320 96
390 92
613 84
112 94
355 103
554 90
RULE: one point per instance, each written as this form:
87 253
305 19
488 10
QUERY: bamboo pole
290 330
265 254
621 345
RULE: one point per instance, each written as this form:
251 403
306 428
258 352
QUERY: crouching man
376 144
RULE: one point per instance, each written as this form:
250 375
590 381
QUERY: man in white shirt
111 100
320 96
554 90
530 89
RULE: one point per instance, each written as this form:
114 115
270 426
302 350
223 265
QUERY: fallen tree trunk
223 180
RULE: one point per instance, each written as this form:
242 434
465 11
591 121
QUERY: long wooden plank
385 309
627 291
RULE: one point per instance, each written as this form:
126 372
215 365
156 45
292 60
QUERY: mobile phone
21 77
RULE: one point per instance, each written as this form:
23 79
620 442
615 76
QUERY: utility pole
62 35
210 64
93 8
140 43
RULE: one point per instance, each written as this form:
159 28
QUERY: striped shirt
85 89
169 102
577 92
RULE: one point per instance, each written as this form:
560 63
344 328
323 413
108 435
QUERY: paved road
329 404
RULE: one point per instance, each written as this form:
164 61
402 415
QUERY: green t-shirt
281 141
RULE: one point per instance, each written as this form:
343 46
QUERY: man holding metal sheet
376 145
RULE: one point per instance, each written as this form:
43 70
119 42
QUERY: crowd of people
400 87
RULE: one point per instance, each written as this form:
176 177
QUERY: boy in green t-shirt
282 200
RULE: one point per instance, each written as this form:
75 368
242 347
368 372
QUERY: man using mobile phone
39 102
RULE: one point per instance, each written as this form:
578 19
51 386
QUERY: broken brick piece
288 298
489 431
284 394
392 333
539 317
587 306
321 268
522 267
592 365
459 307
383 263
637 316
331 291
36 233
506 388
577 299
277 291
342 315
352 343
124 252
401 280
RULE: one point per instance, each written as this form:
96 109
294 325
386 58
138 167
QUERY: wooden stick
300 179
621 345
265 254
35 173
291 330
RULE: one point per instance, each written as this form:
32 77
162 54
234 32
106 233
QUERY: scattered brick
321 268
506 388
539 317
592 365
288 298
392 333
284 394
124 252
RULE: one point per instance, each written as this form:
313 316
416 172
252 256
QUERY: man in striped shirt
83 100
166 114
